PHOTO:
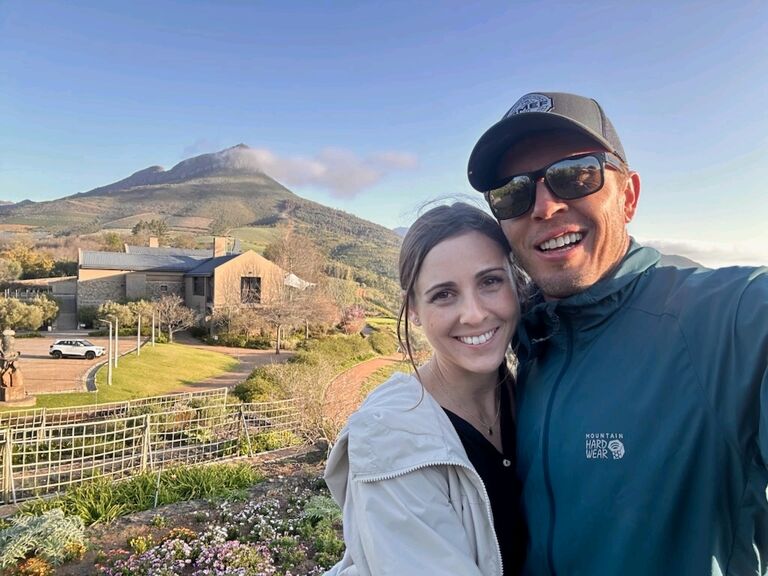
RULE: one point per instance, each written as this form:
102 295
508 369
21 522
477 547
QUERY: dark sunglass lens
576 177
513 199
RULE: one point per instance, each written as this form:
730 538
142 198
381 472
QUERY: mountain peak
234 161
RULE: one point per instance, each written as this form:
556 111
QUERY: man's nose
546 204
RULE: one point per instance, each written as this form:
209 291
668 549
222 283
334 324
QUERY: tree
49 308
142 309
112 242
34 264
172 315
15 314
243 319
123 312
297 254
9 270
291 307
155 227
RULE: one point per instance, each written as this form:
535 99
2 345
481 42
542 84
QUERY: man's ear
631 196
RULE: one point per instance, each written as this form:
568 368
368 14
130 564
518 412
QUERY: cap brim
484 159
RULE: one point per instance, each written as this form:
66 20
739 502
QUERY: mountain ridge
220 192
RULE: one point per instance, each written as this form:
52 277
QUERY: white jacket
413 503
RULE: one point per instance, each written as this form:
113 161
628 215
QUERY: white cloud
342 172
713 254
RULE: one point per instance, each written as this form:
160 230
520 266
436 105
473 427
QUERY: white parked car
76 347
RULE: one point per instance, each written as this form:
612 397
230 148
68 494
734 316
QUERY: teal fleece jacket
643 424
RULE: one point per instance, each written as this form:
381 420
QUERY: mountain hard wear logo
604 446
531 103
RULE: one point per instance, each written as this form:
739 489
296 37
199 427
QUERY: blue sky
374 107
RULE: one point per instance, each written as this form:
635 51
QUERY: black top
497 471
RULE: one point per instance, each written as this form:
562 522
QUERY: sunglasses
568 179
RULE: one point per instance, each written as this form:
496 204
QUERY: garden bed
285 525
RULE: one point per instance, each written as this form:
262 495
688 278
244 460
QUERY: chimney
219 246
153 243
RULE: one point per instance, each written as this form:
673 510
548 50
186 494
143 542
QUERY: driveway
45 375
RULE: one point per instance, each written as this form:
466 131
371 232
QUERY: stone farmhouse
205 279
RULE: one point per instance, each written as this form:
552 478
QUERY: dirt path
343 394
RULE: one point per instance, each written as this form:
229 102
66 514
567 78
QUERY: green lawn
164 369
256 238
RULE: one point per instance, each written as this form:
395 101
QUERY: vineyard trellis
45 451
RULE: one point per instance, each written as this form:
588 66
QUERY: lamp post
117 344
138 334
109 353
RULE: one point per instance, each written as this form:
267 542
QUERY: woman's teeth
475 340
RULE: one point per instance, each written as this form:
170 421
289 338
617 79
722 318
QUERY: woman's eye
492 280
440 296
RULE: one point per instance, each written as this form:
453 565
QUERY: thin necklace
477 414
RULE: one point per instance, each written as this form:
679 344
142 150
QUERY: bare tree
299 298
298 255
172 315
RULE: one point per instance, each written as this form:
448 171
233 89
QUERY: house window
198 286
163 288
250 290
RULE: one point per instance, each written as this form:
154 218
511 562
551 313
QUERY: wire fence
40 417
46 453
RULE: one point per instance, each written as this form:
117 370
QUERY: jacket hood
400 409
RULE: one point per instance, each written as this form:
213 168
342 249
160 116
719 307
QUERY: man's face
597 222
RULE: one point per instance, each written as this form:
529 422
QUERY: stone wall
99 290
155 291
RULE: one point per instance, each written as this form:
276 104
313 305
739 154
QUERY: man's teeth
475 340
560 241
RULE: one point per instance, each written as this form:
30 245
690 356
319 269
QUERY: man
642 437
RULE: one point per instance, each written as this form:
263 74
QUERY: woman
424 470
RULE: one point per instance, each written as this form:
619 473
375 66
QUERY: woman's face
466 303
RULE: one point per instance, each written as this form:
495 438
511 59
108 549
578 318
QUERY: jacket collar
399 427
592 306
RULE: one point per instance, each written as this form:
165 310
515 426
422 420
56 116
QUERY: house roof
206 267
123 261
165 251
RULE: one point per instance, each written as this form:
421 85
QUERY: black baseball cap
534 112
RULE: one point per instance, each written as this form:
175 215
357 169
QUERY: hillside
215 194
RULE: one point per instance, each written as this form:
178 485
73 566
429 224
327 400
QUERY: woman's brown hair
434 226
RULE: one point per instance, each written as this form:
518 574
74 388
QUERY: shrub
240 341
383 343
342 351
321 508
52 536
266 441
261 385
87 315
198 331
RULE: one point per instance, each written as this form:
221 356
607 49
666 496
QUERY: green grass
380 322
103 499
256 238
164 369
